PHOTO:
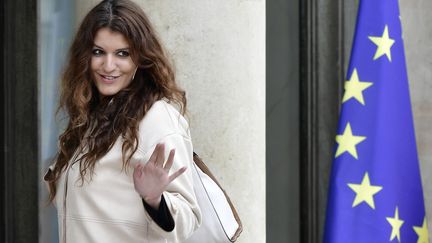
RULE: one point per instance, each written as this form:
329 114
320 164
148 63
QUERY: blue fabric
388 151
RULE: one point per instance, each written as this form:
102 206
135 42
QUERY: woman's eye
97 52
123 53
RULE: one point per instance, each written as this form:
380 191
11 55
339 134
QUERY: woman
110 181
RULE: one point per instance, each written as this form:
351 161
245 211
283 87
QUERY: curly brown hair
95 122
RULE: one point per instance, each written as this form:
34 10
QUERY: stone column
218 48
417 34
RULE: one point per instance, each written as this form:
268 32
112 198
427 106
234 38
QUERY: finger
177 174
170 160
160 156
153 157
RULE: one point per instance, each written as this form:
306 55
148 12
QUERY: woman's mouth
108 78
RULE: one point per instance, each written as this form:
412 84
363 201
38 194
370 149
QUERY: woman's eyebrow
123 49
120 49
97 46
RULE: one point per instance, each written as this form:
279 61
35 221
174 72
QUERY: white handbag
220 221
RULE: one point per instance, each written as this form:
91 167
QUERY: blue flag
375 192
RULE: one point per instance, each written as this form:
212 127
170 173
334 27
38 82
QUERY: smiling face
111 64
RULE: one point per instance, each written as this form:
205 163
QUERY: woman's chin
107 92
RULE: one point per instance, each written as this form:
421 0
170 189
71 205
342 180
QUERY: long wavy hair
94 122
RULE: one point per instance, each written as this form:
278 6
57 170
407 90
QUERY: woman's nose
109 64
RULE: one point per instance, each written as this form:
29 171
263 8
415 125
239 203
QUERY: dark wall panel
282 121
308 45
327 29
19 121
2 130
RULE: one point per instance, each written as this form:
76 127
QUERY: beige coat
107 209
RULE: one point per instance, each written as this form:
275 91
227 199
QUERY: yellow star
365 192
384 43
347 142
354 88
396 224
422 232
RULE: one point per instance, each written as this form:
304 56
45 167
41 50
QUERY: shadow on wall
56 18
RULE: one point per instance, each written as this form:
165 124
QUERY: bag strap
198 161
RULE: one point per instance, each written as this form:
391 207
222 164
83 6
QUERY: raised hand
152 178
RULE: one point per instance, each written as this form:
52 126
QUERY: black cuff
161 216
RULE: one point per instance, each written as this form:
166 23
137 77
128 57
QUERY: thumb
137 170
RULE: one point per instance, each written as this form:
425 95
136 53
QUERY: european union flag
375 192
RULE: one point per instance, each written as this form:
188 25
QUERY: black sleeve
161 216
